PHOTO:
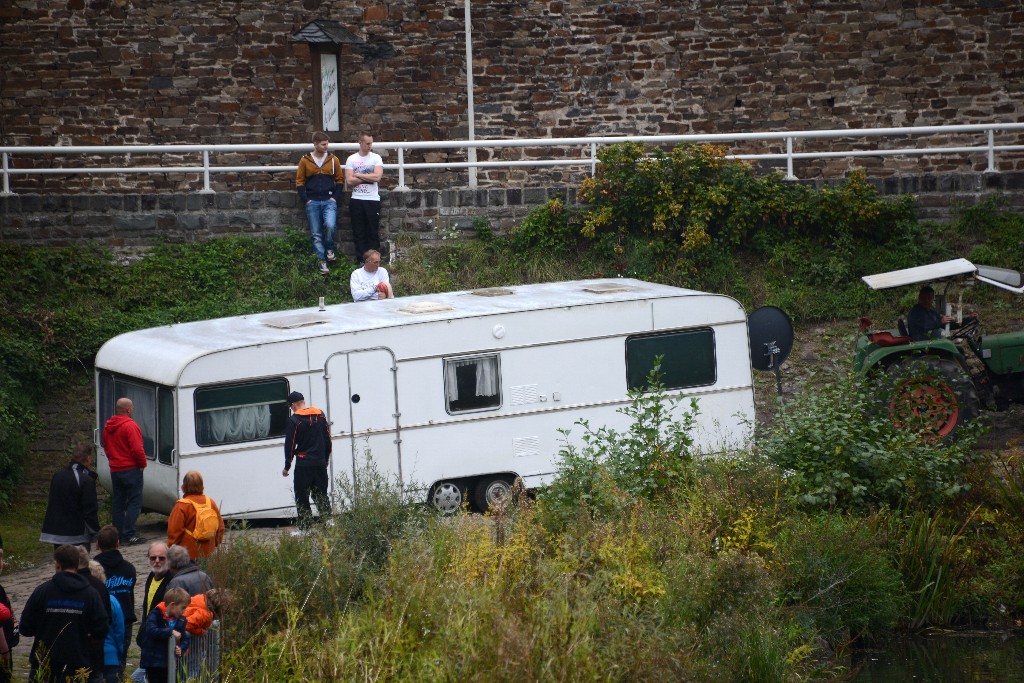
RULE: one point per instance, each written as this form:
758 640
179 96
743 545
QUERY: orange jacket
198 616
183 520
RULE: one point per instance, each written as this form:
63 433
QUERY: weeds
614 470
929 553
839 577
839 447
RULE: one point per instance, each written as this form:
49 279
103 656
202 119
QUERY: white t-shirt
364 285
367 164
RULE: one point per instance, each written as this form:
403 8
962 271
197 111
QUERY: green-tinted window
165 426
241 412
688 359
143 397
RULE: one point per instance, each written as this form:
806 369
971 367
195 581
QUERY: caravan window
472 383
165 435
688 359
154 416
241 412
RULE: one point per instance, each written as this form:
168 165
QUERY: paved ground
19 585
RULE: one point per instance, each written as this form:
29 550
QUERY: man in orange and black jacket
308 441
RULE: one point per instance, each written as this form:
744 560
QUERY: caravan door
362 394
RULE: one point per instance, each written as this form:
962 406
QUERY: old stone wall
114 72
131 223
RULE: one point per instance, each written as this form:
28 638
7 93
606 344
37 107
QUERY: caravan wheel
492 492
448 497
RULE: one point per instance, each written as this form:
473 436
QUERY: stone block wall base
134 223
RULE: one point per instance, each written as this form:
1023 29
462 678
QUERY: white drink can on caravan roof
456 394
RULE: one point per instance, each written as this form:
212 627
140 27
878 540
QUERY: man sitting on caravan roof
371 281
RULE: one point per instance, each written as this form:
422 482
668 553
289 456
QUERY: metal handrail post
789 159
593 158
401 169
172 663
991 152
206 173
470 110
7 177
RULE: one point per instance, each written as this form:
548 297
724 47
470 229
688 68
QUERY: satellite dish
771 337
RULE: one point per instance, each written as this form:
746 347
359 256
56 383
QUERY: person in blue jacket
113 646
165 621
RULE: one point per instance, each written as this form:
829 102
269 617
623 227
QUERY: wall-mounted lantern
325 38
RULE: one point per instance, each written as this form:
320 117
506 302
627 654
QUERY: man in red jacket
122 441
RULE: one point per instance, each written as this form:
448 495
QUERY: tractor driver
924 322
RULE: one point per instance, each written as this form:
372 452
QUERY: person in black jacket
9 628
71 511
121 579
308 441
64 615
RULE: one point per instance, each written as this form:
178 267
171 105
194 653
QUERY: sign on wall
330 111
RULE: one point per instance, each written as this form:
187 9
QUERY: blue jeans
323 220
126 501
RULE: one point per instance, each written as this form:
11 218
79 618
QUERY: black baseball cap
295 397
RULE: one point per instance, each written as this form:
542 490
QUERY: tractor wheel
931 394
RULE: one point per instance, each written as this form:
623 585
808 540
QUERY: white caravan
455 394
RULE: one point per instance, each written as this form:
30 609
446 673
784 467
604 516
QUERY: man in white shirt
363 170
371 281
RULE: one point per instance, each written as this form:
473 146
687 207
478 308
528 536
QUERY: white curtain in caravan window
451 379
230 425
487 376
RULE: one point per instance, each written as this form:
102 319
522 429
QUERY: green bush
839 448
18 425
835 573
371 511
613 470
547 229
693 197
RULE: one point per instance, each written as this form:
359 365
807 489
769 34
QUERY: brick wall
158 71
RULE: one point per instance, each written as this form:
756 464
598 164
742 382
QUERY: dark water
977 658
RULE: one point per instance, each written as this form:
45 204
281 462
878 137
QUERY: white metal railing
201 663
588 151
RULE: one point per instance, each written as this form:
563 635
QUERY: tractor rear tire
930 393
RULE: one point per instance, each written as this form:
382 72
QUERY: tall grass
929 551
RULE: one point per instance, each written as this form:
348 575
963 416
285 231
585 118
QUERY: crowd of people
82 619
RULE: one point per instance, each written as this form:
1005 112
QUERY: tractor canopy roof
957 269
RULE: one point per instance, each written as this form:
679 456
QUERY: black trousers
365 217
311 481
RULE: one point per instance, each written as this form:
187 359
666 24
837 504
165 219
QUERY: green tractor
931 381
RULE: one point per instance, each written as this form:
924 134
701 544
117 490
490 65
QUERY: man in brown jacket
319 182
